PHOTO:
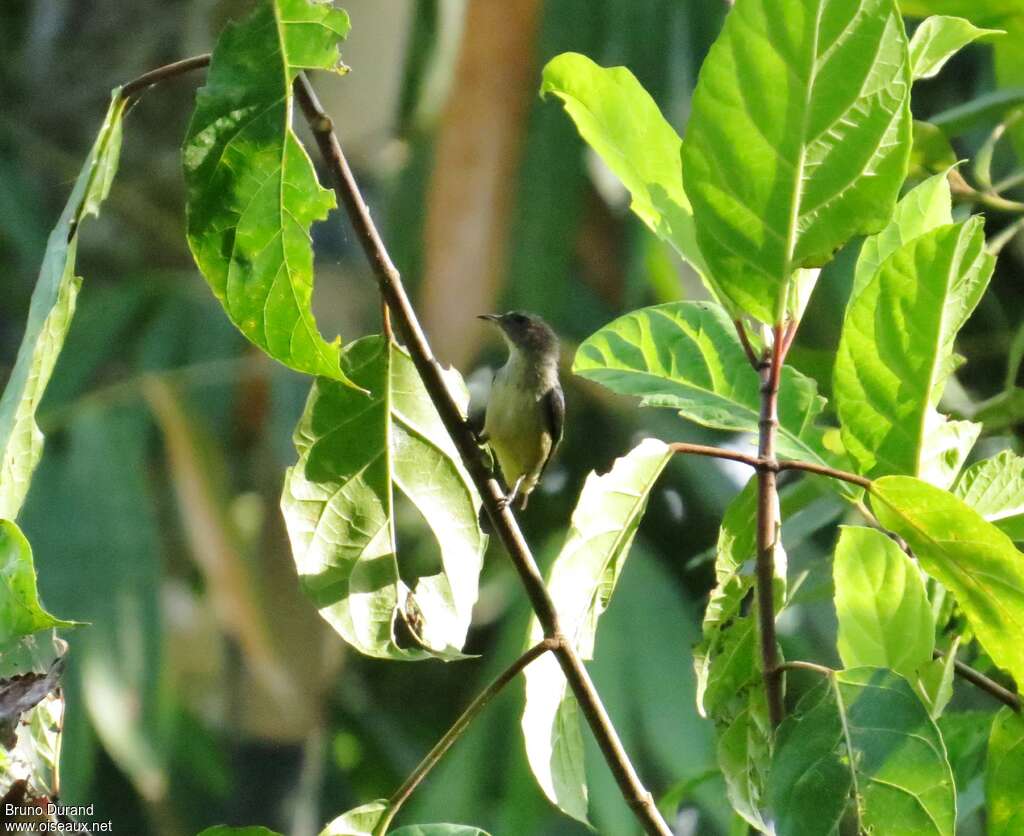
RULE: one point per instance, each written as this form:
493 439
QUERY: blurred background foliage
207 689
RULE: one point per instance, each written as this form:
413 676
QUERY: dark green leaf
896 354
798 140
971 557
354 451
885 619
984 109
1004 776
53 305
581 583
938 39
252 190
931 152
862 732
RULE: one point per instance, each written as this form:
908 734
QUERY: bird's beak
490 317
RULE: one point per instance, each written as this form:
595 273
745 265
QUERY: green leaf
1004 775
581 583
885 619
862 732
358 822
686 356
995 489
338 505
252 190
618 118
438 830
980 110
924 208
1009 67
49 316
978 11
798 140
969 556
21 614
931 152
896 353
225 830
938 39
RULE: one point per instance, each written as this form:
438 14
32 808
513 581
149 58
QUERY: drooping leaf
438 830
896 354
358 822
53 305
252 189
925 207
798 140
861 732
618 118
354 451
1004 775
21 614
995 489
581 582
970 557
686 356
938 39
885 619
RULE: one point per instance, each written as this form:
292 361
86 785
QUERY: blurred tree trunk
474 178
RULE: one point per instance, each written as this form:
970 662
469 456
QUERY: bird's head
526 332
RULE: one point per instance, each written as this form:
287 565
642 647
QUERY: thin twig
164 73
399 797
748 349
798 665
393 292
989 686
768 526
762 464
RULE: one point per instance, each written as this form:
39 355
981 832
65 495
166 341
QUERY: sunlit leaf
938 39
1004 775
581 583
885 619
971 557
686 356
863 733
53 305
354 451
21 614
995 489
896 354
925 207
358 822
798 140
618 119
252 190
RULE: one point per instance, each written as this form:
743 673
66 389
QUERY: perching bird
526 408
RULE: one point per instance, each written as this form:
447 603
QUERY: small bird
526 408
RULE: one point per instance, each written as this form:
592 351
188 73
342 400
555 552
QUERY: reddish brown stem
165 73
748 349
778 466
978 679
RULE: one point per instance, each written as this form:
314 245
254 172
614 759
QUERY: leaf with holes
798 140
338 503
252 190
581 583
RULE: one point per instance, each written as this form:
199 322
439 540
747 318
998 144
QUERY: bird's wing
553 414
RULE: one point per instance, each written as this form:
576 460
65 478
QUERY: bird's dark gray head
527 332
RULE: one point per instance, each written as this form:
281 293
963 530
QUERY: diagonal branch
394 295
